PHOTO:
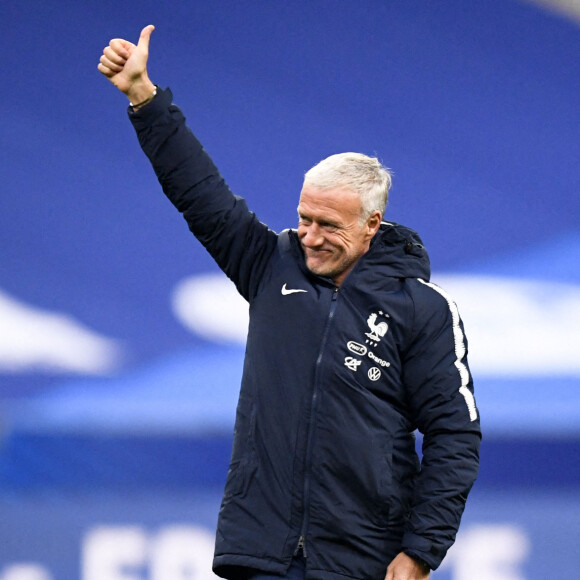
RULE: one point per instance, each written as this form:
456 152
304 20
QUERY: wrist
424 566
141 93
137 106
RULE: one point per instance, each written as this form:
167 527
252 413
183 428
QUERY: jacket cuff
143 116
424 550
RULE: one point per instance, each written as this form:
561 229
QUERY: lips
311 252
318 256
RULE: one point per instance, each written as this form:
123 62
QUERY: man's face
330 232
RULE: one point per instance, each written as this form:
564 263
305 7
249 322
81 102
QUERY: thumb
145 37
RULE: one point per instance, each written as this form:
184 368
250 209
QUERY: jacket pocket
239 479
243 465
383 460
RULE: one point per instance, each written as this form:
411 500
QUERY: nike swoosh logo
286 291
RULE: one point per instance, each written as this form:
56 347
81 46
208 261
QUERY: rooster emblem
377 330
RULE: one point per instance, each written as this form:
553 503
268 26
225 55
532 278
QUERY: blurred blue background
121 344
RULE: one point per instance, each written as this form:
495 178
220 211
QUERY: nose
311 236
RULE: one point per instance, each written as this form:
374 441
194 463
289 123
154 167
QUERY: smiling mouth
318 255
316 251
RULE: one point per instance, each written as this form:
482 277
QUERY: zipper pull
301 547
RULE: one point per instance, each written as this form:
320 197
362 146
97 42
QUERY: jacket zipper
300 548
306 501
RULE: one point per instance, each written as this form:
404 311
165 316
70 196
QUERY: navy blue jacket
335 382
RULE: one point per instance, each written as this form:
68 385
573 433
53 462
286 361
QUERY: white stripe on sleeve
460 350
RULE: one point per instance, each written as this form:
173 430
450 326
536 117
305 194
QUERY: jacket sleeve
239 243
440 395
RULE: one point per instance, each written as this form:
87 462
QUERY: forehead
339 203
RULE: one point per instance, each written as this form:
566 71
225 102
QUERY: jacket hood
399 252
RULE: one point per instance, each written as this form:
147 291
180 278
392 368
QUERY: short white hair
364 175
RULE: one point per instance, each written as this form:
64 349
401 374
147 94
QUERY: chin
322 270
317 269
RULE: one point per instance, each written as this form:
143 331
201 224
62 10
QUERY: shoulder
431 302
426 291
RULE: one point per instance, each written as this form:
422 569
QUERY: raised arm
240 244
125 65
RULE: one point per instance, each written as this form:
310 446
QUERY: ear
373 223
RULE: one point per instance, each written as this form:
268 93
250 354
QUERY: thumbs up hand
125 65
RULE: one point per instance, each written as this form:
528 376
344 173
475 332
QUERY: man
349 350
